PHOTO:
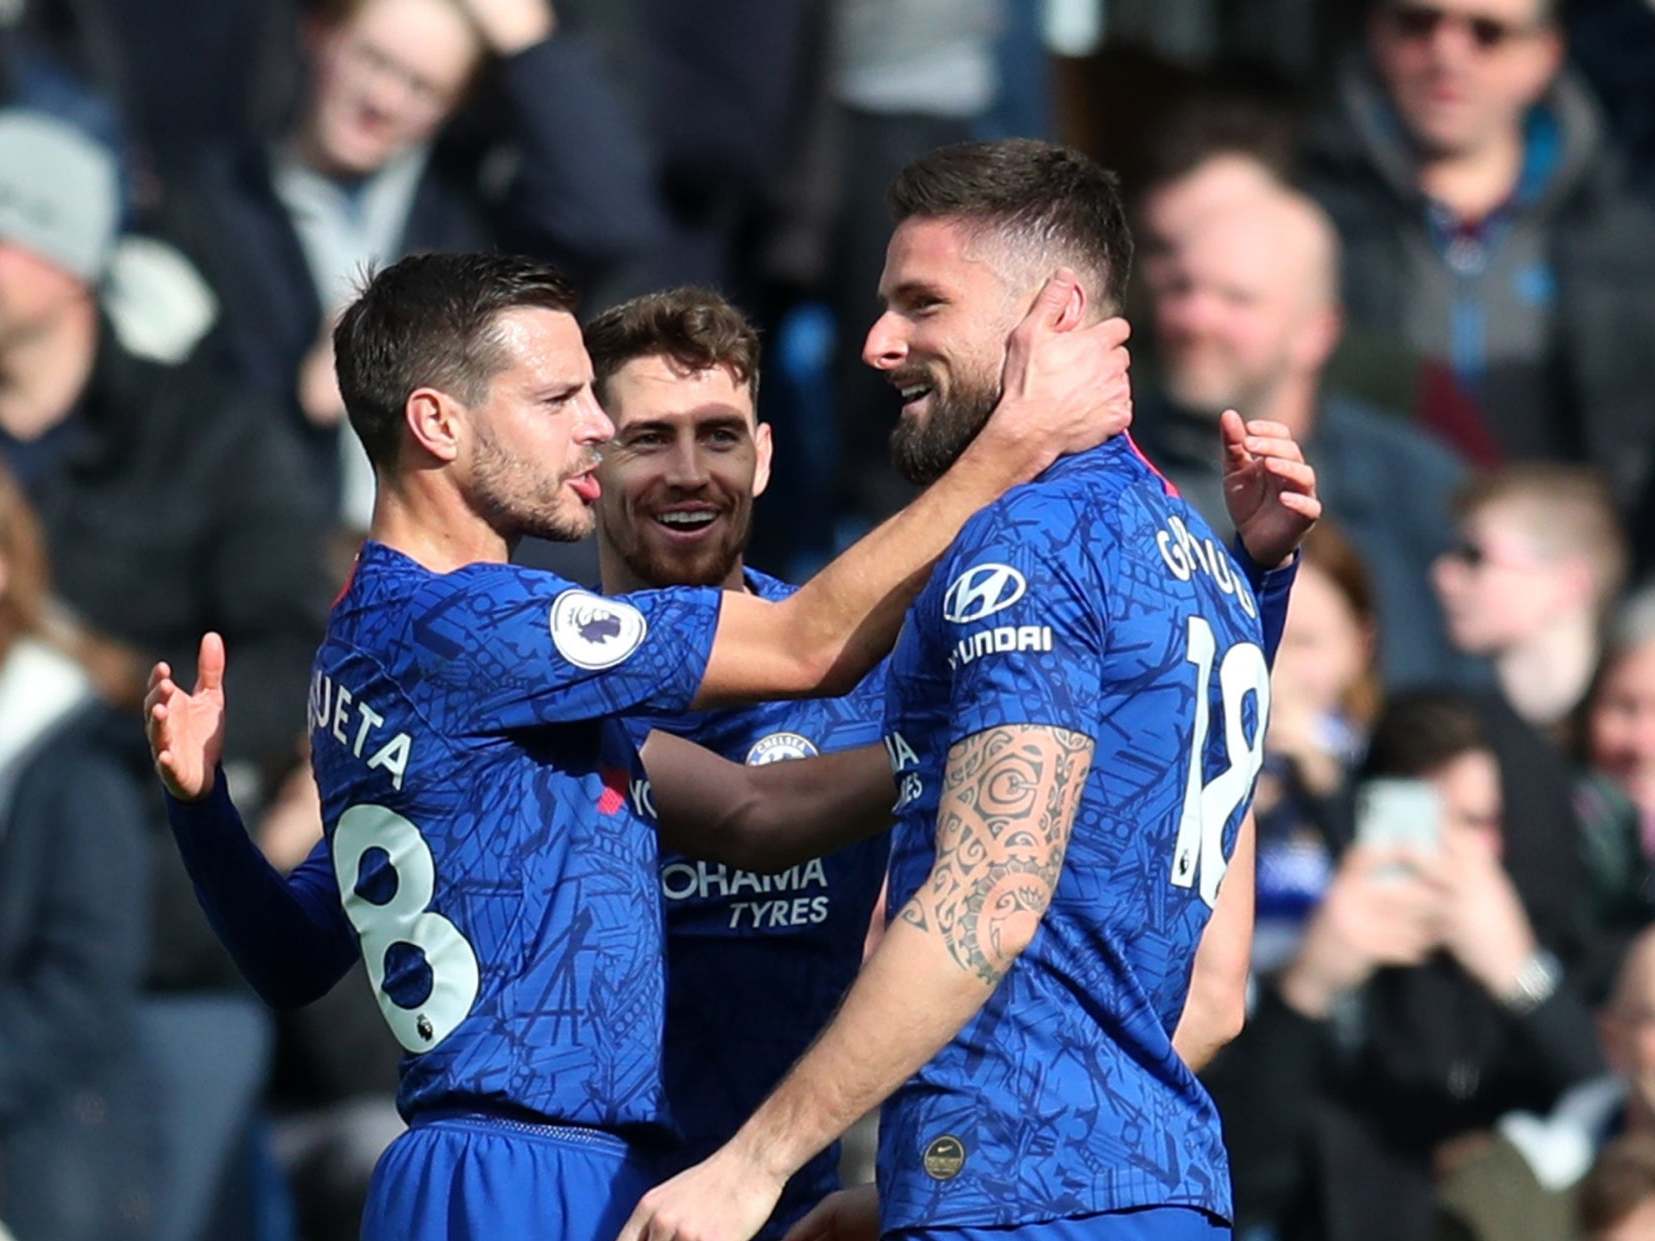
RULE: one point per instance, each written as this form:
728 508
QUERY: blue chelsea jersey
757 964
1092 600
479 800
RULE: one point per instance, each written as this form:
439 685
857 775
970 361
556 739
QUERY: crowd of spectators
1418 233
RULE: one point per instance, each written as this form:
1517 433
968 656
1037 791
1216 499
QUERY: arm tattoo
1009 797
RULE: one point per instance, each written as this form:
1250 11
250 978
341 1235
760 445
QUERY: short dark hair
1418 732
694 327
429 322
1250 125
1621 1181
1021 188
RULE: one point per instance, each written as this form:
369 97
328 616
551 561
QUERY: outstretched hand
186 731
1268 488
1065 387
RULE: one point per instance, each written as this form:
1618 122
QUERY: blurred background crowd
1421 233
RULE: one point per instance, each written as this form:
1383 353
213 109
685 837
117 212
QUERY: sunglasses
1419 23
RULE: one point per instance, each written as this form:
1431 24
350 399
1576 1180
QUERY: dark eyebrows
721 421
909 292
560 391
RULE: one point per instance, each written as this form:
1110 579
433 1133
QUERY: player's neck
1546 677
431 525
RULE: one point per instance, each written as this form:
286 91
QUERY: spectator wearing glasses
1538 561
371 169
1487 225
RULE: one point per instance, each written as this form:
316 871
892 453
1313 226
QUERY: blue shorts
1142 1224
480 1177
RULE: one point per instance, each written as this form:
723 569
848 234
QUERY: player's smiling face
536 437
678 482
941 341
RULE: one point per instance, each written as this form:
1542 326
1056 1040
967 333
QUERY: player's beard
516 500
706 566
923 449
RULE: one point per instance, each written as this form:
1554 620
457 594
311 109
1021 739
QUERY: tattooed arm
1008 801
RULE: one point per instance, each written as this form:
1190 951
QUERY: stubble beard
711 566
517 502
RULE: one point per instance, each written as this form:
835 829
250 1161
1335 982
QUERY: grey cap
59 192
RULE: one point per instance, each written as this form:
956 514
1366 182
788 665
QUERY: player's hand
1065 388
847 1215
725 1197
511 26
1268 488
186 731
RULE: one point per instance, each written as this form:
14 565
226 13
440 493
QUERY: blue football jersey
1092 600
481 810
757 964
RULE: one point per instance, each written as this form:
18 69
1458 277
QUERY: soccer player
484 805
678 374
1075 716
756 963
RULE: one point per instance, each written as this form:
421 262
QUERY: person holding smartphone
1429 996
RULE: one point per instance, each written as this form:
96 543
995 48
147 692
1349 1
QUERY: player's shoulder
1071 511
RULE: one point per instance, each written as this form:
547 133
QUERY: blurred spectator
1617 1203
1211 153
907 76
1616 800
1621 722
1324 694
1424 1003
1246 313
168 498
171 505
363 176
1538 562
1526 1185
72 915
1486 223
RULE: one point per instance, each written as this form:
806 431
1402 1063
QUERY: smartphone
1398 814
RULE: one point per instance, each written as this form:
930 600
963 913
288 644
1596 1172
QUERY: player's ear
764 447
1075 306
433 420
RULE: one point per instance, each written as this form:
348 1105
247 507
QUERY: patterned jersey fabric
480 803
1091 600
757 964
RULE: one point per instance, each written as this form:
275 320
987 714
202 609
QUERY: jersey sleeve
507 648
1022 630
289 936
1271 587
